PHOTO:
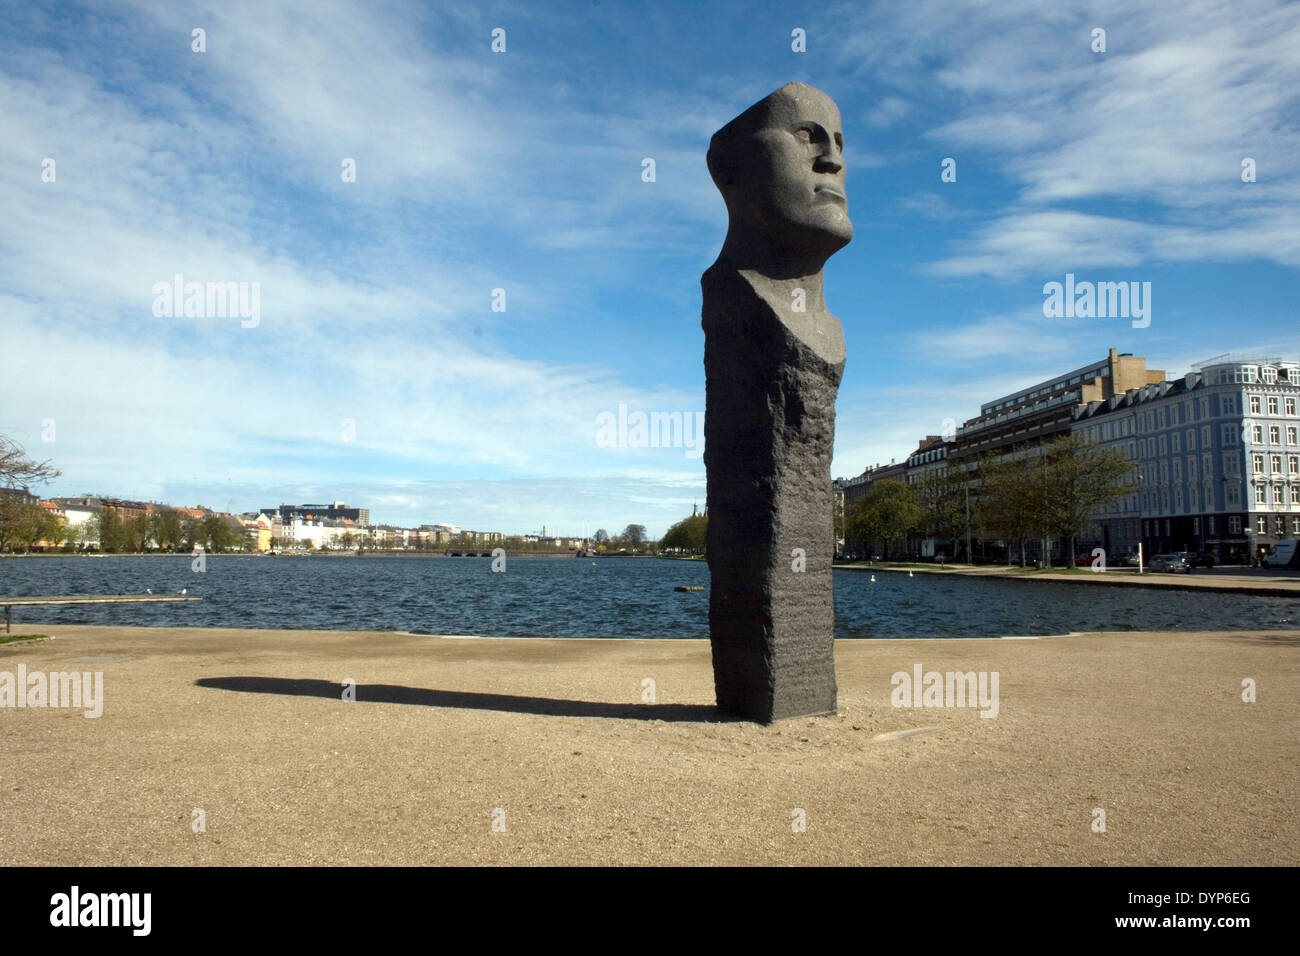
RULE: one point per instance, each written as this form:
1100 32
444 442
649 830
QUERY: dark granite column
773 359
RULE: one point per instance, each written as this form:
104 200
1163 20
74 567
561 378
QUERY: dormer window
1270 374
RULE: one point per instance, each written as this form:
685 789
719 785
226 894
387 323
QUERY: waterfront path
1241 580
552 739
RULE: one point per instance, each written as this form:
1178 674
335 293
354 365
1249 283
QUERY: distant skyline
377 371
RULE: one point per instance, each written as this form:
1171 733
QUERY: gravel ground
470 751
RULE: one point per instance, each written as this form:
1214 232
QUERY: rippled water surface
570 597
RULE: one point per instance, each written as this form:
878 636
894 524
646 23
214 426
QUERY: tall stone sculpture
773 358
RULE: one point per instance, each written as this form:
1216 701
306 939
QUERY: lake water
609 597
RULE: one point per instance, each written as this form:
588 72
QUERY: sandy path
1150 727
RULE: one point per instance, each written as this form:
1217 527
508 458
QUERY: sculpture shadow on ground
467 700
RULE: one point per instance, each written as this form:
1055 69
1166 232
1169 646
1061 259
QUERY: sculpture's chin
832 237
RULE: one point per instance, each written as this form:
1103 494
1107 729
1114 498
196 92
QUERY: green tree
164 528
686 535
886 514
135 533
939 496
28 524
1008 502
1081 479
74 536
106 527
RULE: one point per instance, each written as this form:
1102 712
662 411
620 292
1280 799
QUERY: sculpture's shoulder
728 290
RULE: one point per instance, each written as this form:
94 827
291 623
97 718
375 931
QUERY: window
1167 531
1290 435
1164 473
1290 406
1295 494
1209 523
1176 441
1279 498
1274 435
1229 404
1160 417
1164 502
1295 526
1257 434
1191 467
1254 404
1258 461
1276 462
1229 464
1194 502
1207 466
1272 404
1229 435
1261 494
1178 470
1293 464
1232 494
1270 374
1178 499
1205 408
1234 524
1205 436
1196 522
1163 445
1261 525
1191 439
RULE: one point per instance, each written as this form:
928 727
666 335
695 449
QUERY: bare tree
17 469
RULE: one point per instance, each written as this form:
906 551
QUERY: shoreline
250 727
1269 586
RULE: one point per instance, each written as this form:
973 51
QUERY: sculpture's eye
804 134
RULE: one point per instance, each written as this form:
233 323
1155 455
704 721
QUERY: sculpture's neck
781 290
784 282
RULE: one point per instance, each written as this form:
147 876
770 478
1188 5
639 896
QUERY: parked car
1129 560
1175 563
1203 559
1282 555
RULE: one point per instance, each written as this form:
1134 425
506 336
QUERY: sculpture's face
786 179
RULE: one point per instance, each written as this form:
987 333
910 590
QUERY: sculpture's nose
829 161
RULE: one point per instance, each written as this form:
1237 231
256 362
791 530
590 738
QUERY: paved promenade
1241 580
550 740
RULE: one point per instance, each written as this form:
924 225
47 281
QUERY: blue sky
522 171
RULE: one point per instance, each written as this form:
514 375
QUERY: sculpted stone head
780 168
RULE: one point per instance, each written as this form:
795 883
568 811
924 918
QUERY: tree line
23 526
1052 490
